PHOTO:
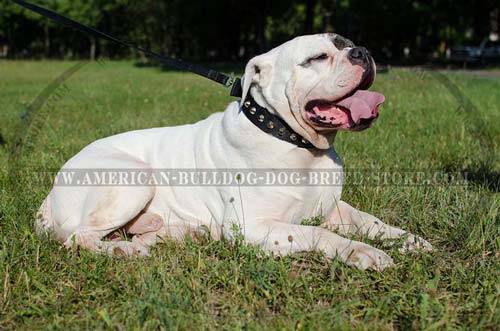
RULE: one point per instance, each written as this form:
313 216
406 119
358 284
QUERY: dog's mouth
357 110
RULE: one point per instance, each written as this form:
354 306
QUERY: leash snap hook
236 90
230 81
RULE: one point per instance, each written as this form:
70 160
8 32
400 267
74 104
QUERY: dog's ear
258 71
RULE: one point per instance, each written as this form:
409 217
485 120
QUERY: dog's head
317 84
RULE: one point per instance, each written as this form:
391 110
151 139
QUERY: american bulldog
295 98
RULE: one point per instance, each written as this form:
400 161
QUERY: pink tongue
362 104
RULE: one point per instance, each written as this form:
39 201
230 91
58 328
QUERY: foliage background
235 30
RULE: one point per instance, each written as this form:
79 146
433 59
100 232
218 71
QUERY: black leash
216 76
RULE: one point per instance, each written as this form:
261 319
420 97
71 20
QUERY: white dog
295 98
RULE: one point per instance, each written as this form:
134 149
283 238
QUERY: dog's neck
272 124
320 140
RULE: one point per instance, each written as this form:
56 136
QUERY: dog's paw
413 243
366 257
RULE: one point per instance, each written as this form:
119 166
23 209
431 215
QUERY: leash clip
230 81
236 90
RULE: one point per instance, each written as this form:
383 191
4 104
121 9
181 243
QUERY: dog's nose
358 53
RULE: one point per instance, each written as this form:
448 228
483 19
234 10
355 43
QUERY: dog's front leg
284 238
346 219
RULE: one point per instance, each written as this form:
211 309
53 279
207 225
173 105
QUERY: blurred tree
234 30
309 20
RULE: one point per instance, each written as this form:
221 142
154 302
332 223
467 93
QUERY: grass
216 285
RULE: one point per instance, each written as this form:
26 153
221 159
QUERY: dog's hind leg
144 223
43 220
177 230
107 209
146 229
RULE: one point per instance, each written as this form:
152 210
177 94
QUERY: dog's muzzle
356 110
361 56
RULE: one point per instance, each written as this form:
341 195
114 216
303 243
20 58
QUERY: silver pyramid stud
253 110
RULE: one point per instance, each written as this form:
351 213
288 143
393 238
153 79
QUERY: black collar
272 124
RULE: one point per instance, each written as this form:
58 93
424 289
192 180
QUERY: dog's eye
319 57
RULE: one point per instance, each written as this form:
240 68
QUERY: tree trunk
350 23
261 27
309 22
92 49
494 21
9 43
328 15
46 43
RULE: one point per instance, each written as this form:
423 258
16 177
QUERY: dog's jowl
295 98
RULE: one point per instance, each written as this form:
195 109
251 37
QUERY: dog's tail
44 222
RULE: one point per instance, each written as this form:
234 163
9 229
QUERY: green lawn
216 285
